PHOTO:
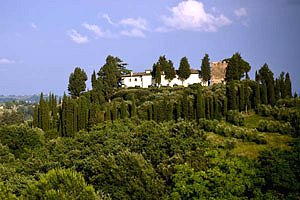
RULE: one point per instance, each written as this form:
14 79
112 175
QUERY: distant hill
25 98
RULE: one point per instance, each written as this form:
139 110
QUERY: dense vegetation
233 141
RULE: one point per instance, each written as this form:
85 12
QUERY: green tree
124 110
110 75
60 184
267 78
242 97
77 81
184 70
288 85
231 95
156 73
205 68
237 67
264 94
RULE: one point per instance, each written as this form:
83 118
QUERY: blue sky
42 41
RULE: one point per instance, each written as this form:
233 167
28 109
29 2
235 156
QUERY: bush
60 184
274 126
234 117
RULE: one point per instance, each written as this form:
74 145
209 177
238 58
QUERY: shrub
235 117
274 126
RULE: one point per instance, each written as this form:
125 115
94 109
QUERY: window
130 80
135 79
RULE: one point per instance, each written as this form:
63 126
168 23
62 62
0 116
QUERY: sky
42 41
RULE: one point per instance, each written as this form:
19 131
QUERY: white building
140 79
193 78
145 79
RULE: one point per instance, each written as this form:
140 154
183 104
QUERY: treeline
107 102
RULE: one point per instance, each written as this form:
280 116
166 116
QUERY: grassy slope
250 149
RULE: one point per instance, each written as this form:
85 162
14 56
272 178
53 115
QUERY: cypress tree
212 111
205 68
247 96
256 94
225 106
277 89
282 85
178 110
155 112
241 97
288 85
124 110
83 113
133 108
185 106
107 113
94 79
114 112
156 73
150 112
264 95
231 96
170 109
77 81
184 70
200 107
35 122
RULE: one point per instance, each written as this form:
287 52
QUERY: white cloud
241 12
138 23
106 16
34 26
94 28
77 37
190 15
133 33
7 61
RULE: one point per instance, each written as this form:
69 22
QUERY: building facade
218 72
145 79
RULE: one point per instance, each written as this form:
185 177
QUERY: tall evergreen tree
133 107
156 73
264 94
288 85
170 71
277 89
94 79
231 95
256 94
205 68
184 70
124 110
241 97
110 75
267 78
282 85
237 68
77 81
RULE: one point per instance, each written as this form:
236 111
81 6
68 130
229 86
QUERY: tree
288 85
231 95
242 97
264 95
77 81
267 77
60 184
110 75
237 67
170 71
94 79
205 68
184 70
156 73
